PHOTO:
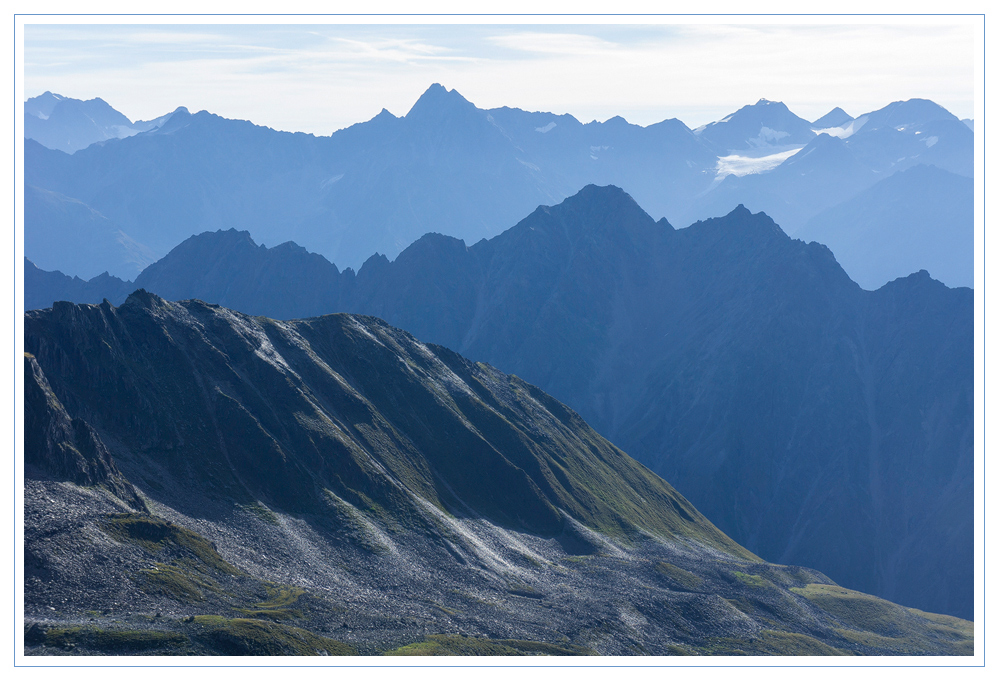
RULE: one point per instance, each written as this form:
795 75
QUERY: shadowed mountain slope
332 485
744 366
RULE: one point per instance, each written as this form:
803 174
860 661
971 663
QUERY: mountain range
199 481
69 124
452 168
814 422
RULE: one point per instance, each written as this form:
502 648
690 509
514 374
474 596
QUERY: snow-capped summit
909 114
764 125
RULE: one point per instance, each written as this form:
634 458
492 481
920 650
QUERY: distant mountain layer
42 288
452 168
835 117
786 402
199 481
69 236
920 218
69 124
764 124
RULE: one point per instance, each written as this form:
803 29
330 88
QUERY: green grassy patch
523 590
685 579
751 580
249 637
948 625
445 610
887 628
855 609
262 513
156 535
456 645
771 643
116 641
177 582
277 605
874 641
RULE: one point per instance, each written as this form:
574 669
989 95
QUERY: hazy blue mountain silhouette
69 236
69 124
830 170
920 218
43 287
832 119
452 168
229 269
788 403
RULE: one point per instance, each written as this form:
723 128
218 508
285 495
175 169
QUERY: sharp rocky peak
438 101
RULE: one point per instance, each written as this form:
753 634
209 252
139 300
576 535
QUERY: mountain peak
602 194
907 114
438 101
833 118
145 300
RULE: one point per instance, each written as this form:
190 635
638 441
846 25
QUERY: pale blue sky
320 77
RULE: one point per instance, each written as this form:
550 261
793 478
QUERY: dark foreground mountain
200 481
816 423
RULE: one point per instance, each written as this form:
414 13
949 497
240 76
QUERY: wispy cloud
548 43
320 77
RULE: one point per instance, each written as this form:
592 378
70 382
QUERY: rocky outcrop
63 448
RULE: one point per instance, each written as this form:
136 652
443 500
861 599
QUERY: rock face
272 411
335 475
63 448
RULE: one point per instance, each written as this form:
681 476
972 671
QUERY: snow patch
330 181
767 137
529 165
738 165
546 128
844 131
930 141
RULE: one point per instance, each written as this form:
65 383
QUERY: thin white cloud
318 78
563 44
